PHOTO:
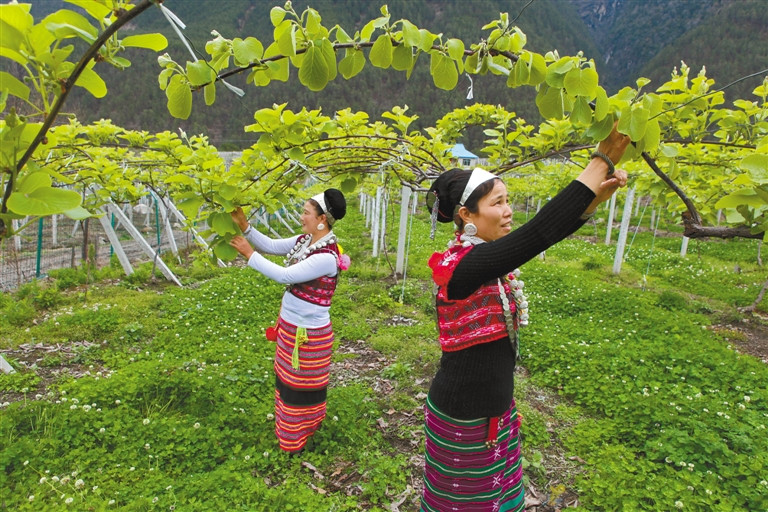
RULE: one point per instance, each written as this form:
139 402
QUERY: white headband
320 199
478 177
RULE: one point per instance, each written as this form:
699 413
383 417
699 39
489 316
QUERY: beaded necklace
516 287
302 250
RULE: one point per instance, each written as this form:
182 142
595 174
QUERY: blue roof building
462 157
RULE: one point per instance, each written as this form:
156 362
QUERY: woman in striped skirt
303 333
472 459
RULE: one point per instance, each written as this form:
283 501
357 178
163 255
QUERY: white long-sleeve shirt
293 310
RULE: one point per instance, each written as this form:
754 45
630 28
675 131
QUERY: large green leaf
223 224
443 70
190 206
276 15
352 63
381 52
742 197
155 42
43 201
551 102
581 82
330 58
246 50
179 97
756 163
402 58
279 69
15 21
96 9
313 72
581 113
224 251
78 213
66 23
200 73
12 85
92 82
411 36
600 128
602 105
209 93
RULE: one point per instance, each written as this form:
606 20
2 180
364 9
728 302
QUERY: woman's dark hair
448 188
336 204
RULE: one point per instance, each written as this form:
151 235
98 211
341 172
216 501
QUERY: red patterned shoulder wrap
466 322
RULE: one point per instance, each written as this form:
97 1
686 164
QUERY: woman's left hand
611 185
242 246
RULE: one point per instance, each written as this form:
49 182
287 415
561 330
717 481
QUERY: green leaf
742 197
443 71
296 153
276 70
427 38
638 122
96 9
551 102
155 42
92 82
602 105
200 73
652 135
246 50
228 192
556 72
66 23
348 185
287 39
581 82
352 63
756 163
330 58
381 52
34 181
276 15
43 201
581 113
600 129
78 213
455 48
411 36
223 224
402 58
179 97
313 72
209 92
224 251
190 206
12 85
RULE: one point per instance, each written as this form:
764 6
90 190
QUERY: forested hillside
627 39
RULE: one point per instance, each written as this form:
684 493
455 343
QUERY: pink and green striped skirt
301 382
472 465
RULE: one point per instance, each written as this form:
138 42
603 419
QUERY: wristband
606 159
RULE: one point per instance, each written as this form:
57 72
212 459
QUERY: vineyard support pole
609 224
375 222
405 200
180 216
684 246
16 238
55 230
5 366
622 241
144 245
162 204
39 247
114 241
383 218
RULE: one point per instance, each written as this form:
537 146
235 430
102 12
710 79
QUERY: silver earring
470 229
321 226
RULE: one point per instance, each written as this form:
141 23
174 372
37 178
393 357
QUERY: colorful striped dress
472 429
303 334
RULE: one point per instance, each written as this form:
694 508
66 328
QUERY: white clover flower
86 407
196 425
43 480
155 499
764 482
54 478
146 421
131 468
65 480
335 418
117 402
266 454
95 487
102 430
111 502
747 398
247 457
270 416
31 497
146 446
79 484
679 504
69 500
709 493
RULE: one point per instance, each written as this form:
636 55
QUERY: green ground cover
161 398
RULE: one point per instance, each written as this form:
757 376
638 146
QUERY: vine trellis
678 130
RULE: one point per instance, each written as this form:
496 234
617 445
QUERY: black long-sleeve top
478 381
